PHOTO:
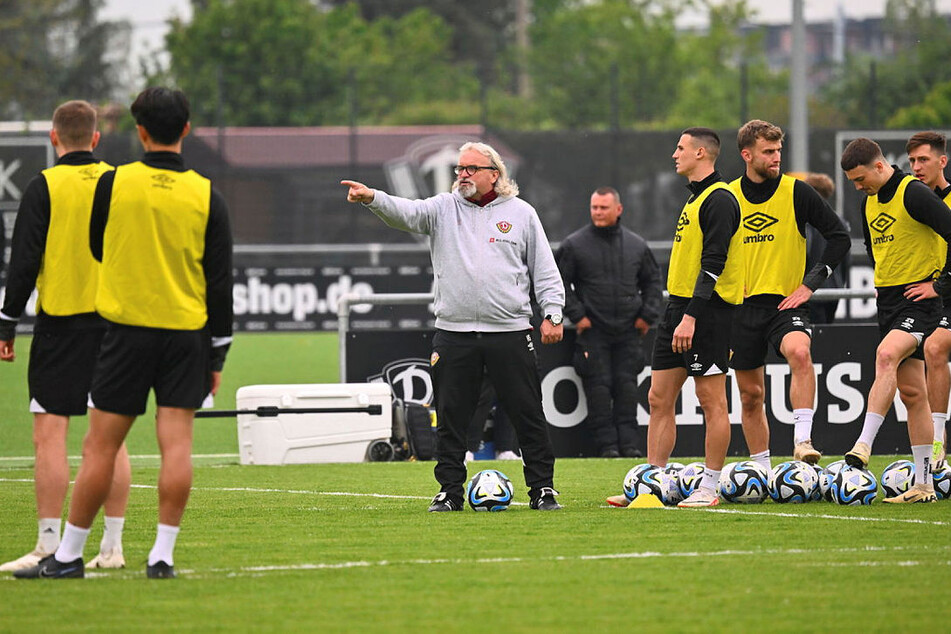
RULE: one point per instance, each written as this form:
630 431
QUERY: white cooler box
310 438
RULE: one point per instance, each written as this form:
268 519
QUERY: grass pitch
350 547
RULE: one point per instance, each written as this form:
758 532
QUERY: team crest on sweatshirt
503 226
433 358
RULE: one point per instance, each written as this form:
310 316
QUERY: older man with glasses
489 253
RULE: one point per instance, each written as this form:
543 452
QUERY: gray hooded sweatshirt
486 260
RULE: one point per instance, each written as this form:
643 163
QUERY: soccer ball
853 486
792 481
690 478
941 474
489 490
644 478
897 478
826 477
744 482
817 491
673 471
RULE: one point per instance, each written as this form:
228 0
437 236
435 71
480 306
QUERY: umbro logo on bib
162 180
882 222
759 221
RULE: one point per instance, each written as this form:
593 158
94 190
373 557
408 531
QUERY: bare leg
937 350
795 347
118 498
106 433
662 427
173 427
894 348
51 471
914 394
711 392
753 414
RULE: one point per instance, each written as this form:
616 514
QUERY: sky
148 18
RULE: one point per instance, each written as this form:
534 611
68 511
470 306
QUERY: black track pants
509 358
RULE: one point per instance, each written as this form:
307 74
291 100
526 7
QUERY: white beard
468 190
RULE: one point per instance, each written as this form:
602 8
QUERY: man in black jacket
613 295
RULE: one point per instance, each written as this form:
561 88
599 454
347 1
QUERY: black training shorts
897 312
132 361
944 321
758 326
61 370
710 351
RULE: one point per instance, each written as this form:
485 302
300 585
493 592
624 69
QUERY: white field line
265 490
135 457
824 516
257 571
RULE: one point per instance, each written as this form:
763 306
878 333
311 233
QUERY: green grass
278 549
254 359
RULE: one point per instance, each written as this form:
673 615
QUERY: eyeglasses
470 170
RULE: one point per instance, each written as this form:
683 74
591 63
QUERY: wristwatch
554 319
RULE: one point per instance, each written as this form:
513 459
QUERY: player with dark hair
776 210
907 231
51 252
705 284
928 158
163 237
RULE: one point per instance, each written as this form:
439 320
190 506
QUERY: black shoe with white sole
544 499
50 568
442 502
160 570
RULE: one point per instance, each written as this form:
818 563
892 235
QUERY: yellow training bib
685 255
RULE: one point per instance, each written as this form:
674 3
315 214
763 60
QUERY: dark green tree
870 91
934 111
710 91
577 49
55 50
286 63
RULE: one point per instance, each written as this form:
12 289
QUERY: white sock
922 454
870 428
72 544
710 480
803 424
762 459
47 537
164 545
111 534
939 418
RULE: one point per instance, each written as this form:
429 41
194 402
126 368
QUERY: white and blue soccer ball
673 471
897 478
941 477
853 486
817 491
792 482
744 482
489 490
645 479
690 478
826 477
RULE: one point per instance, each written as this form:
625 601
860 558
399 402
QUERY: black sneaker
49 568
632 452
544 499
160 570
610 452
442 502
